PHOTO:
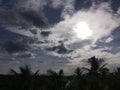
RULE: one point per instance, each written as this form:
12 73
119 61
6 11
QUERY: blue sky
41 33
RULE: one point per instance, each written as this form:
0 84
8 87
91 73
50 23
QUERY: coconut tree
56 81
95 72
23 79
76 81
96 64
78 72
117 71
114 79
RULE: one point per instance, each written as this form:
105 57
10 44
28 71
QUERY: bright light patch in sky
82 30
69 36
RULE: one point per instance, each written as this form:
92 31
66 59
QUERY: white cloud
109 39
69 9
101 21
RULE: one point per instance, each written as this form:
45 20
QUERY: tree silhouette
78 72
56 79
96 64
24 79
97 78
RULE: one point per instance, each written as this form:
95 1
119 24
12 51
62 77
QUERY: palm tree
118 70
56 80
24 78
77 81
78 72
96 64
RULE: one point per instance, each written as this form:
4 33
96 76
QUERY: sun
82 30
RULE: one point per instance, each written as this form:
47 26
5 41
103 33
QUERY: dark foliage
97 78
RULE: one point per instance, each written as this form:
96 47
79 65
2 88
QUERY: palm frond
84 68
13 72
61 73
53 73
103 66
37 72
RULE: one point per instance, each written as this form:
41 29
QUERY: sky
58 34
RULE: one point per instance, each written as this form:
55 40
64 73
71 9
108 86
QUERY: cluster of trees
98 77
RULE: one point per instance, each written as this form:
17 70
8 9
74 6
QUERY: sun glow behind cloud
82 30
79 31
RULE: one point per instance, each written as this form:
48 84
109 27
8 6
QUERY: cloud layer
57 46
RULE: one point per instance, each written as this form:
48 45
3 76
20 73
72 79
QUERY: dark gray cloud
115 4
23 19
115 33
8 35
22 16
60 49
79 4
15 46
34 18
45 33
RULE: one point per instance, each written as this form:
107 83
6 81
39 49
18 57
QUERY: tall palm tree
96 64
55 74
78 72
24 78
118 70
78 80
56 80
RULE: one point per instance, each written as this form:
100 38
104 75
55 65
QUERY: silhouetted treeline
97 77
